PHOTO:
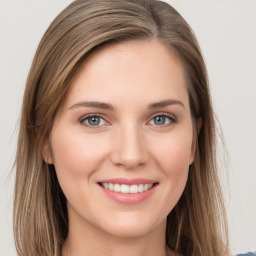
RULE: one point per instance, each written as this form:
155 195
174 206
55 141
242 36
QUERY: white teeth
124 188
141 188
105 185
117 188
133 189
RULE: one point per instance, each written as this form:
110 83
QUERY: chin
129 231
133 227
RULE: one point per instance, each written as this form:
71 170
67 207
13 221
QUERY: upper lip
128 181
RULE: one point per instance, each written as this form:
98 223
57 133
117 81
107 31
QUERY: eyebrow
107 106
93 104
166 103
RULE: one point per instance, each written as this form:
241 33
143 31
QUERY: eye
93 120
162 120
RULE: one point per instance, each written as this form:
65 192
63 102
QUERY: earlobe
47 152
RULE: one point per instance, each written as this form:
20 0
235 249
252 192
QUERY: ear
195 138
47 152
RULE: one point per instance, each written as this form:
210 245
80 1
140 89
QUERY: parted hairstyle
197 224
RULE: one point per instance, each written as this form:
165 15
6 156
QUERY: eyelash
172 119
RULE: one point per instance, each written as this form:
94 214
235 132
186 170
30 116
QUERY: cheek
173 158
76 155
174 154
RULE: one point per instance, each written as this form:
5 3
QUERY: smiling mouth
127 189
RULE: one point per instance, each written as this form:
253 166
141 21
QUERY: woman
116 151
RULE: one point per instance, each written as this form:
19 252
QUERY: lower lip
128 198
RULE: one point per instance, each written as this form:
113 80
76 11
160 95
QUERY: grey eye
159 120
93 121
162 120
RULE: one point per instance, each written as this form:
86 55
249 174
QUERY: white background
226 30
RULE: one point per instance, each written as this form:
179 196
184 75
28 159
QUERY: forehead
138 70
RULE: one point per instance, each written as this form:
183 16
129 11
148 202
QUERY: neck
84 239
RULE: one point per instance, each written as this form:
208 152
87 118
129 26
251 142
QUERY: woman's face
121 143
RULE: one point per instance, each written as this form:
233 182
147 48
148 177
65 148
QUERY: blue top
247 254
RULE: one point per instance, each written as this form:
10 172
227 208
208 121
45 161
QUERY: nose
129 148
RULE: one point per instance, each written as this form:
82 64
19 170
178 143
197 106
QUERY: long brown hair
197 225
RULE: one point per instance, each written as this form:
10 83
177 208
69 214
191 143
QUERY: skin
128 142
